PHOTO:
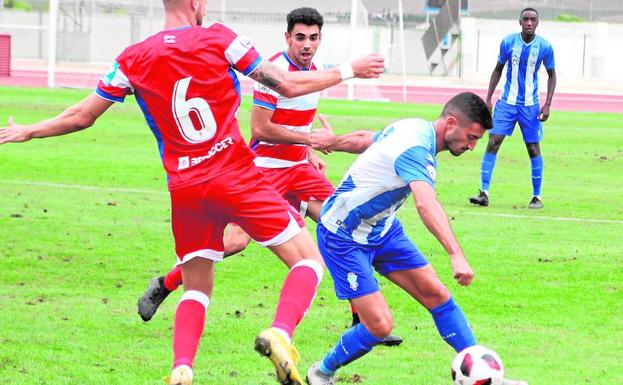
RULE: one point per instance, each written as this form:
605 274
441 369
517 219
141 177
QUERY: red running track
563 101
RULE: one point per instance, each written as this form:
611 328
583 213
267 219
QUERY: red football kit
285 166
185 84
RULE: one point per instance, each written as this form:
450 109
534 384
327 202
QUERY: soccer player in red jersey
281 128
183 79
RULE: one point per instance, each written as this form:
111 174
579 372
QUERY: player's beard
454 150
457 153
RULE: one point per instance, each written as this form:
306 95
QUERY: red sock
173 279
352 309
297 294
189 323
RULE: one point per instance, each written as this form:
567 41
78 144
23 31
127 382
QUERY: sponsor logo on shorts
352 281
218 147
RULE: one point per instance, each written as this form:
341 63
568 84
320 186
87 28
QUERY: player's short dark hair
471 106
528 9
304 15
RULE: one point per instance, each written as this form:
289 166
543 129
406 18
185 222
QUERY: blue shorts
351 264
506 115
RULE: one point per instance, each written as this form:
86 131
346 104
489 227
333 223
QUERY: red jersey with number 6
184 82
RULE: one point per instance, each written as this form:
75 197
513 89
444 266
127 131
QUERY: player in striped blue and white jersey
524 52
359 233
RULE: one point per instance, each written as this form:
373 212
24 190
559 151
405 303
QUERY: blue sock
537 174
452 325
486 170
354 343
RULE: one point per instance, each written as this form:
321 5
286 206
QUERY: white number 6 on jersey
182 109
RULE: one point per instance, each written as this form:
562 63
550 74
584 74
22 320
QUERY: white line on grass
543 217
157 192
83 187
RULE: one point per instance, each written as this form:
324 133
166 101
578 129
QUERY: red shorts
201 212
299 184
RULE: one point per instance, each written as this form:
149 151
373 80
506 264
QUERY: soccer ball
477 365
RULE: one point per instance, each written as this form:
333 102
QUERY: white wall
582 50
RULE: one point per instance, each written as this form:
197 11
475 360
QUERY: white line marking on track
157 192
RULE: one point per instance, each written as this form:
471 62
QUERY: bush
18 4
568 18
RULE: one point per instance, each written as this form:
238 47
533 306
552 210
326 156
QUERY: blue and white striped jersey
524 61
364 205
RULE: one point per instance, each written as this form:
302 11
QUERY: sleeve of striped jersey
548 58
241 54
377 136
114 86
503 56
264 97
412 165
383 133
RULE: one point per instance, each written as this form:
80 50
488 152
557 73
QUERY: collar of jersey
432 127
180 28
524 42
294 64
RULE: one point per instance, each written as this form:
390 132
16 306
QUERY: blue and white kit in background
358 228
520 97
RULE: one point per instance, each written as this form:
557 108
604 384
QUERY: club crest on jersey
184 163
352 281
432 172
169 39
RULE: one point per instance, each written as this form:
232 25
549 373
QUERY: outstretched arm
292 84
437 223
551 87
75 118
356 142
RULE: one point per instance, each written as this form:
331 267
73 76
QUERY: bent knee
436 295
381 327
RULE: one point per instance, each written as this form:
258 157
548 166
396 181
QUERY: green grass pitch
84 224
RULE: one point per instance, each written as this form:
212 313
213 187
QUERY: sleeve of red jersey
114 86
240 51
264 97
